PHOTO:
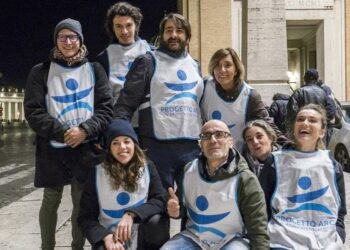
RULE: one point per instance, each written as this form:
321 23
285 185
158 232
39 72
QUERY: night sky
26 30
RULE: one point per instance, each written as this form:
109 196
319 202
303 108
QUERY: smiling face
68 47
224 72
124 28
122 149
308 129
259 143
216 149
174 38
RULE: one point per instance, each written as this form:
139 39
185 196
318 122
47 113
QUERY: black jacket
57 166
278 110
310 93
90 209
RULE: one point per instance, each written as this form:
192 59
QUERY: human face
174 38
124 28
122 149
259 143
308 129
215 149
68 48
225 71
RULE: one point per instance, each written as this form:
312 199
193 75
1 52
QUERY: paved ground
20 201
19 227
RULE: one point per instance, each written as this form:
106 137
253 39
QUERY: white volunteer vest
113 203
305 203
176 89
232 113
70 94
212 210
120 59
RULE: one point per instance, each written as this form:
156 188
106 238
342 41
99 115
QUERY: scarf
79 57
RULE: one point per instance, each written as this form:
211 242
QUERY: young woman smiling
308 203
122 192
227 97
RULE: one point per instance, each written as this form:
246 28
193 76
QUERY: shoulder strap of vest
45 70
153 61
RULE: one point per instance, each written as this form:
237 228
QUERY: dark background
26 30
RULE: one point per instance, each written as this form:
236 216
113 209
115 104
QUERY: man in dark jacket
278 110
67 103
166 86
310 93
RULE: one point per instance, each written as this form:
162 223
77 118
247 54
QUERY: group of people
193 143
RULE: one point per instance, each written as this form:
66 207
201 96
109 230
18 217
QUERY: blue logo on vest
202 204
74 98
122 199
122 77
304 199
181 87
216 115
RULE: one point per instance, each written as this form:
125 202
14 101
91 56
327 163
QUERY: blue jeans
180 242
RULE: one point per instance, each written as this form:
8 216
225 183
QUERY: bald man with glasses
219 199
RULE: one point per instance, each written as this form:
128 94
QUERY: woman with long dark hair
121 193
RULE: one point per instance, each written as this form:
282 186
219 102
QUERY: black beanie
311 75
119 127
70 24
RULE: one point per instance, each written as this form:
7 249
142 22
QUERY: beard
166 45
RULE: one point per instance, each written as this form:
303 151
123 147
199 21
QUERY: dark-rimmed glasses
217 135
63 38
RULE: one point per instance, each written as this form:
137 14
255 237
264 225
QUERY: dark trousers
170 157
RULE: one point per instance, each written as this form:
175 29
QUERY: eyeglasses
63 38
217 135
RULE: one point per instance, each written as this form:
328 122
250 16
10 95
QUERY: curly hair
122 9
126 176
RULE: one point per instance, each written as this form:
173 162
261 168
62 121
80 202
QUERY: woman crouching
123 191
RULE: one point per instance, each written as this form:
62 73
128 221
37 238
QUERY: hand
110 244
73 137
173 206
123 231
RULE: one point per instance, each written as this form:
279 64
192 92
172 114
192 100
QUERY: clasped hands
74 136
122 233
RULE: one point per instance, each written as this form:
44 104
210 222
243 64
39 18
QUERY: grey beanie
70 24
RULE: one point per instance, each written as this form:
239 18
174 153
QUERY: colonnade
12 106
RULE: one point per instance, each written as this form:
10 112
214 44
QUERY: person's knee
156 229
52 197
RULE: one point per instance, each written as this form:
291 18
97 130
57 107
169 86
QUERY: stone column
347 50
4 114
22 112
16 111
264 46
9 118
